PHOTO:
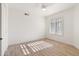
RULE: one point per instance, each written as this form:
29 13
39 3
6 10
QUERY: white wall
71 26
67 36
76 26
4 28
25 28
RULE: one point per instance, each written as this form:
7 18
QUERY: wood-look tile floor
55 49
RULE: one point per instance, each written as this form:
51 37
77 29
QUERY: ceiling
51 7
28 5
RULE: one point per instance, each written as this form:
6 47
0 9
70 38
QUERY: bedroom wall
71 28
25 28
76 26
67 36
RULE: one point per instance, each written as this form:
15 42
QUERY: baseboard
64 42
76 46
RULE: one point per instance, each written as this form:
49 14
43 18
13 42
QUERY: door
4 27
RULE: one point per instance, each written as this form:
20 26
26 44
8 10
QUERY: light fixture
26 14
43 7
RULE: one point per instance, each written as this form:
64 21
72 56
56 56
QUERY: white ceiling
51 7
28 5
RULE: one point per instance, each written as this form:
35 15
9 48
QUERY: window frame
57 21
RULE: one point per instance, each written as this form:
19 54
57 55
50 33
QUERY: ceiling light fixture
43 7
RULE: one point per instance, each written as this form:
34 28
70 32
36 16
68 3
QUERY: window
53 25
57 26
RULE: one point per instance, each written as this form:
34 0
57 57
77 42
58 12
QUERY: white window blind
57 26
